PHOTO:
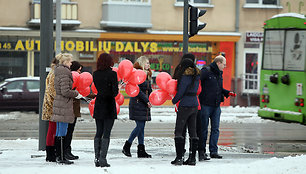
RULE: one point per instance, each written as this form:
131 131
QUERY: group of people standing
195 112
62 107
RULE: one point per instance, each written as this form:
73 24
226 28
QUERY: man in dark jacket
210 98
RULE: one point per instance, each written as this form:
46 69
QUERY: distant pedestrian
63 103
188 77
47 112
139 110
105 113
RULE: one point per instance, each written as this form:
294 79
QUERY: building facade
127 29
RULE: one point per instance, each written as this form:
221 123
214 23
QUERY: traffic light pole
185 27
46 54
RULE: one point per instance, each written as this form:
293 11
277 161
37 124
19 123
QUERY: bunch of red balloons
82 82
167 89
119 101
130 77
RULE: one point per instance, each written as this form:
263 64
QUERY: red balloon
137 77
132 90
85 79
162 79
199 89
125 68
84 91
117 108
94 89
119 99
75 76
171 86
158 97
91 106
116 70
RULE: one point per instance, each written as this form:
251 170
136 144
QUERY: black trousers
104 128
69 134
186 118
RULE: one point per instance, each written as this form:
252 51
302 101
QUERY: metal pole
236 51
185 27
46 54
58 34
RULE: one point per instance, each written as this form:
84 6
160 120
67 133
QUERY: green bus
283 72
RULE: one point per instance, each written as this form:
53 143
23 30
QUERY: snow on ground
167 114
229 114
22 156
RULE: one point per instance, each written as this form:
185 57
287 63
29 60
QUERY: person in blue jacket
139 110
188 76
210 98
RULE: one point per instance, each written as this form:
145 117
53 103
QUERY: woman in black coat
139 110
105 111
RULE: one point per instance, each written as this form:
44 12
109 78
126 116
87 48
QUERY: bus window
273 50
295 50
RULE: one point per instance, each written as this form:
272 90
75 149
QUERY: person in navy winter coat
139 110
188 76
210 98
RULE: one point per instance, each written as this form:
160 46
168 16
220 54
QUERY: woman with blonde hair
63 103
139 110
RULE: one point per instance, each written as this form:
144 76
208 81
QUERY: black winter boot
141 152
50 154
203 156
179 148
97 148
69 155
103 152
60 157
193 146
127 149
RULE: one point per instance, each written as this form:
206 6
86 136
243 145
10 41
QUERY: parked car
20 93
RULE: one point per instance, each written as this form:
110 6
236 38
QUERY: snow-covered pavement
22 156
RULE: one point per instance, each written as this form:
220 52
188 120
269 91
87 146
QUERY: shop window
37 63
13 64
251 73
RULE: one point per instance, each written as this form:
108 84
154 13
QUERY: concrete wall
14 13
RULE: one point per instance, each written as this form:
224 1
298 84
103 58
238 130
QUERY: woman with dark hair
75 66
105 111
188 76
139 110
47 112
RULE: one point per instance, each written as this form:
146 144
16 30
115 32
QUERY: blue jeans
61 129
212 113
138 131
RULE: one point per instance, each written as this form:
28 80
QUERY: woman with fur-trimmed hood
188 78
139 110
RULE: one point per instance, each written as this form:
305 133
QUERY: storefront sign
254 37
106 46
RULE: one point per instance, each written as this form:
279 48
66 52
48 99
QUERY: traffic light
195 25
